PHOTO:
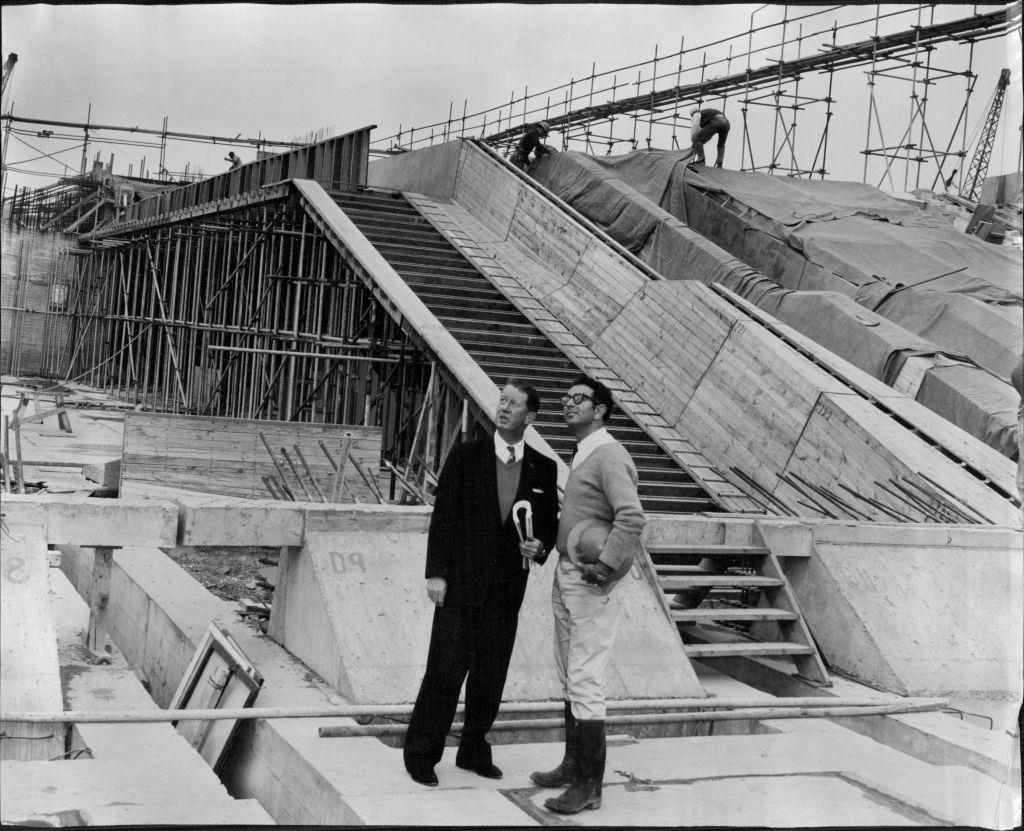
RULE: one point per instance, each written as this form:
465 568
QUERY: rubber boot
584 793
561 775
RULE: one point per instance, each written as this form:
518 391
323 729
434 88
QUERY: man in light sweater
602 485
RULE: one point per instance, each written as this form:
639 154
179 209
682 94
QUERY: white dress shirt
590 444
501 448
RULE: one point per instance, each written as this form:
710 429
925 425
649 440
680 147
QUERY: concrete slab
109 793
302 779
116 774
362 622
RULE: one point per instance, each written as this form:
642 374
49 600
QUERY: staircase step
710 615
708 550
745 649
503 341
718 581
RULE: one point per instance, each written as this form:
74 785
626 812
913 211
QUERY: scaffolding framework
787 85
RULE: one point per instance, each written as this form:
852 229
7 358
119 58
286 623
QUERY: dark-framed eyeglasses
577 398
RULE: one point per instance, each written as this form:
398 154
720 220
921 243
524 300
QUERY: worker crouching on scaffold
531 142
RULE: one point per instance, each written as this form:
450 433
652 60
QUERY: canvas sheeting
622 195
822 235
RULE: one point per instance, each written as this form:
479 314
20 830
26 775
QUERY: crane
12 59
975 178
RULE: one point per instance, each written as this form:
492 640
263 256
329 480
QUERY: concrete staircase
735 601
503 341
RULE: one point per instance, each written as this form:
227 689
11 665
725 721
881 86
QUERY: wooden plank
710 615
711 550
749 649
493 197
227 456
98 638
739 581
851 441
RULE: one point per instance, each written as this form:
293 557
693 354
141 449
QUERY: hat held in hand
586 542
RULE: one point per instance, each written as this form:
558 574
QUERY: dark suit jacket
469 545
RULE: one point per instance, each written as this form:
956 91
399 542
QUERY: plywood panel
490 197
751 405
226 456
547 234
668 345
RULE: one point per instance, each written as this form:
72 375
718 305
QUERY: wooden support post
339 467
19 468
309 473
273 458
98 640
7 454
268 483
370 481
295 473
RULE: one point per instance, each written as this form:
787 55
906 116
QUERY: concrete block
918 619
30 674
249 522
336 519
107 474
353 607
80 520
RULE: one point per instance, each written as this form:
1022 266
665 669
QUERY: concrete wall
362 621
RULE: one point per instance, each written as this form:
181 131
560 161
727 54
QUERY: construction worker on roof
704 124
531 141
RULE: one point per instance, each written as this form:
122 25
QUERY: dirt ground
234 574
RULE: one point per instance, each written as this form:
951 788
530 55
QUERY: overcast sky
282 71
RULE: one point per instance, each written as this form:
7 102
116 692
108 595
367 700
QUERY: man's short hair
532 396
602 395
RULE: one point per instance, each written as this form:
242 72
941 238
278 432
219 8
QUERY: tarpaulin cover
621 195
893 256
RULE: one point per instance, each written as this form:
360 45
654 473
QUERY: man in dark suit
476 577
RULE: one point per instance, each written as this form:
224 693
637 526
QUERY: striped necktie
511 460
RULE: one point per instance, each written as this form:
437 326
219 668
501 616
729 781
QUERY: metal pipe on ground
397 710
751 713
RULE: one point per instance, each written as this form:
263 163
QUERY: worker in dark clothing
703 125
531 142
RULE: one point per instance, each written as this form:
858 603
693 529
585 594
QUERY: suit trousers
586 621
471 644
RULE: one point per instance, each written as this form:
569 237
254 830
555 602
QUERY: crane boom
12 59
975 178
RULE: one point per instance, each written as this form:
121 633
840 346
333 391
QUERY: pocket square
537 490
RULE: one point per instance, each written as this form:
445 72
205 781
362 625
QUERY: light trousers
586 620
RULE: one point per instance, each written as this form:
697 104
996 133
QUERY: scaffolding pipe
656 718
817 704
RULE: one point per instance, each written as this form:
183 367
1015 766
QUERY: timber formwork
248 313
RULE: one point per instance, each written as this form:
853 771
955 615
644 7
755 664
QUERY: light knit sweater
604 486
